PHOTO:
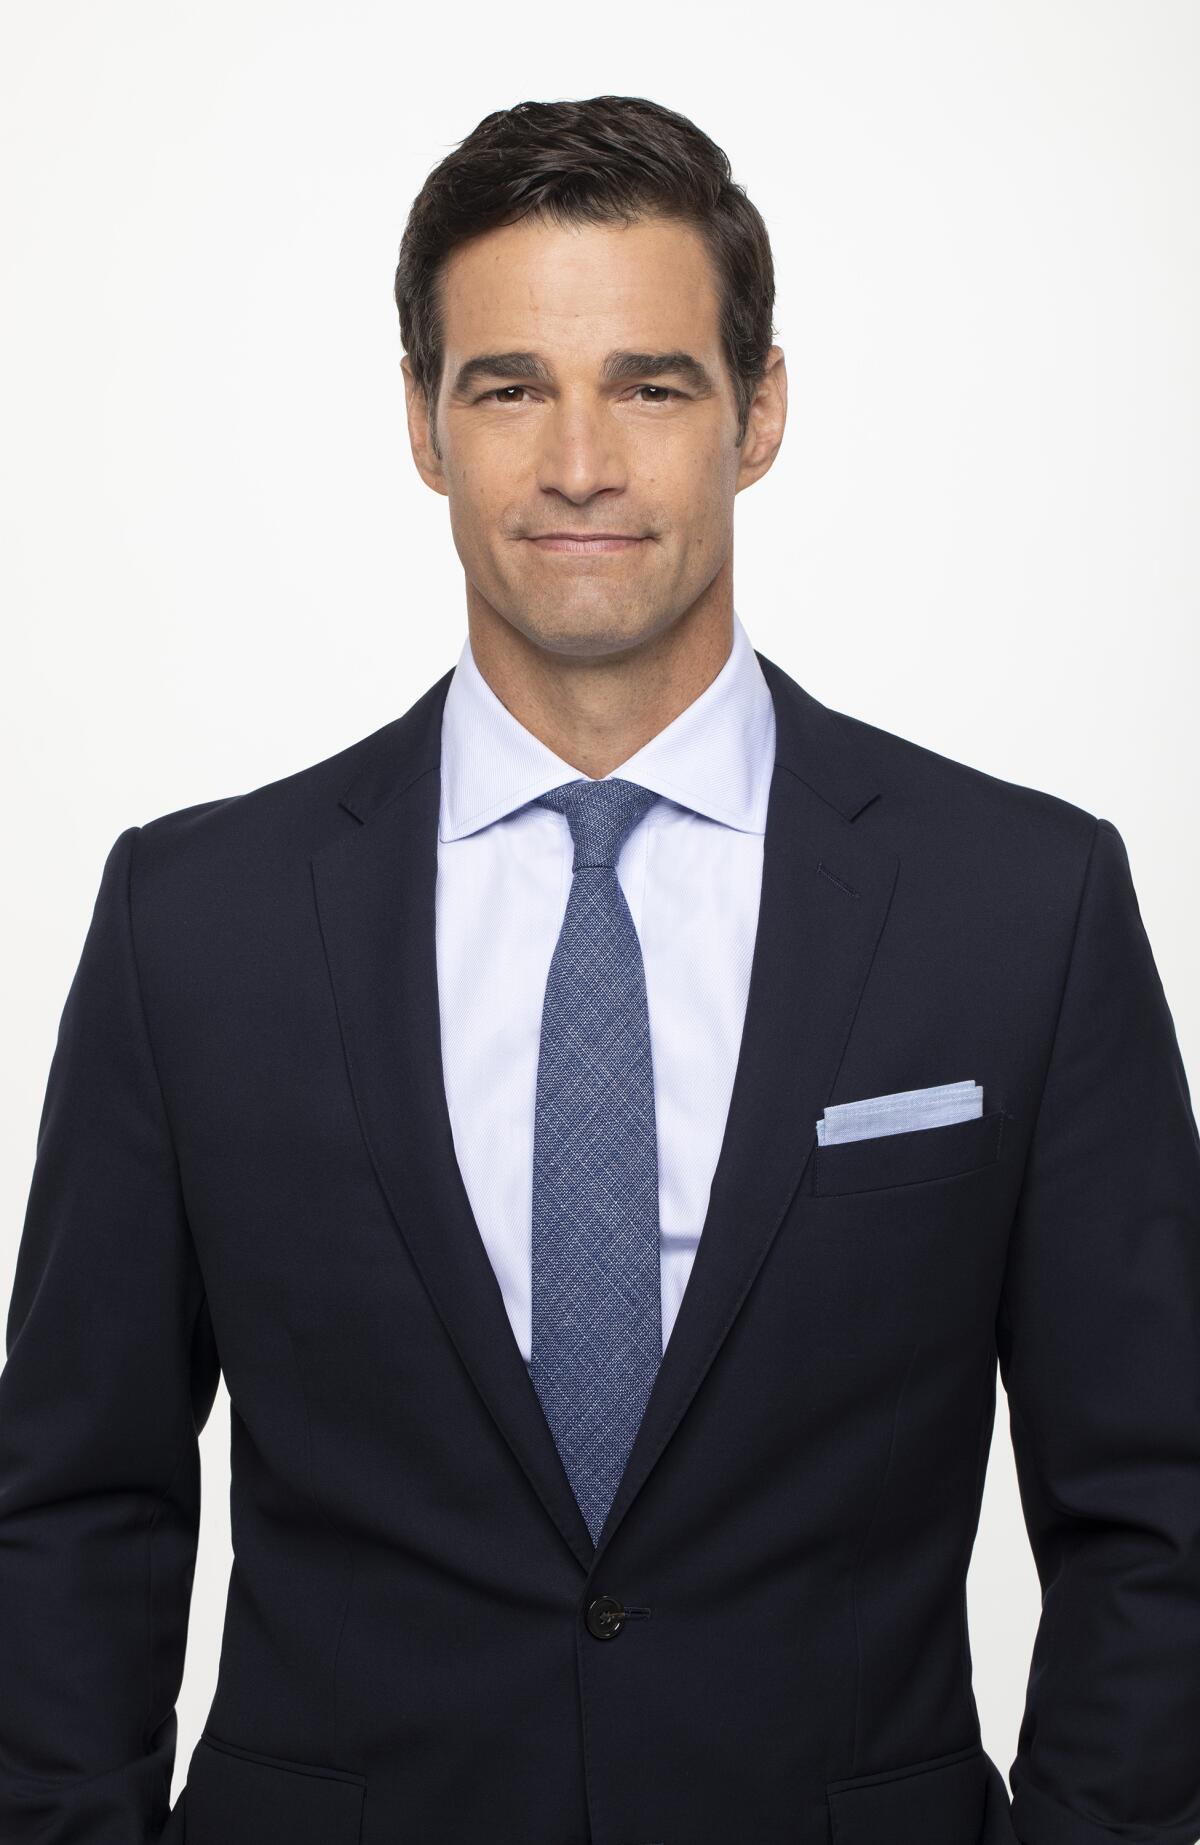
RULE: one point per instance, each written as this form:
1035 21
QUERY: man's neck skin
597 710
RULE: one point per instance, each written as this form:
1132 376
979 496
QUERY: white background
219 564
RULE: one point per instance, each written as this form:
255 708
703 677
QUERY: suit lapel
825 895
375 891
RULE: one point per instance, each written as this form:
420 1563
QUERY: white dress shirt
691 873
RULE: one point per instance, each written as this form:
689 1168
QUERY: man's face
558 422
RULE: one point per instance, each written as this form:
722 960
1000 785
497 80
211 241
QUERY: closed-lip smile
585 542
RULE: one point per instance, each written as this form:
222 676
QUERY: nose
581 451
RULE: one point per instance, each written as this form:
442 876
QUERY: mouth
585 544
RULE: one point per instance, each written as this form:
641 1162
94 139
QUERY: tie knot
601 815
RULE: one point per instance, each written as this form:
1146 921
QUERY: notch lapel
825 894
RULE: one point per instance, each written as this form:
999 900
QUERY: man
606 1126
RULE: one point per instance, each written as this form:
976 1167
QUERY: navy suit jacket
245 1166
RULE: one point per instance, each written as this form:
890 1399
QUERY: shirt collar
716 758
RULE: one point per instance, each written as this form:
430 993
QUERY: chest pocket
912 1157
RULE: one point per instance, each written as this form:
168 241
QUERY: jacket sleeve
110 1374
1098 1336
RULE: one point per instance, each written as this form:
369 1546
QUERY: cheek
696 477
476 498
493 481
703 500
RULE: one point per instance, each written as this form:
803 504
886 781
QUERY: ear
420 433
765 422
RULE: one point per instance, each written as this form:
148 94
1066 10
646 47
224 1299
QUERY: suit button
604 1617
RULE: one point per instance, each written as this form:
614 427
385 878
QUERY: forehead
582 288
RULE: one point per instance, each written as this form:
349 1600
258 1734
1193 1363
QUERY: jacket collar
810 743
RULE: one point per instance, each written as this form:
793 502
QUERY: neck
596 708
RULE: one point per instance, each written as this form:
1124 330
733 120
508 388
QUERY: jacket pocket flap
237 1798
941 1802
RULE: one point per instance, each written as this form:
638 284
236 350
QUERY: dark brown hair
602 160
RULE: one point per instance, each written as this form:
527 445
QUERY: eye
664 392
498 395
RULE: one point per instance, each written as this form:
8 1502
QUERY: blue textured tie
597 1315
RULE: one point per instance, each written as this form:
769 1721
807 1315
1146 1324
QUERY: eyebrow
617 366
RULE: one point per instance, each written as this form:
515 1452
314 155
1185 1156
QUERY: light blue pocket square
936 1106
